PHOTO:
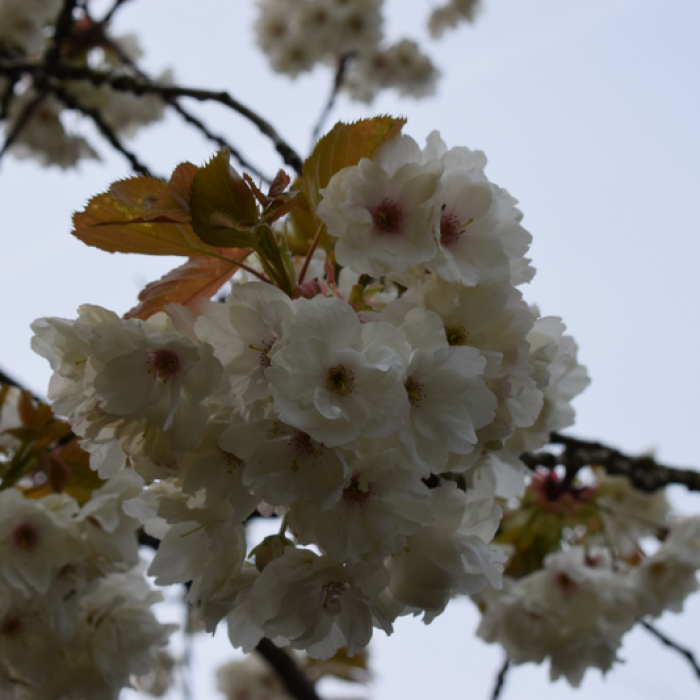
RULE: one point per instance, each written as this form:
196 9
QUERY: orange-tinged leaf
29 413
279 184
198 277
342 146
175 201
70 472
127 218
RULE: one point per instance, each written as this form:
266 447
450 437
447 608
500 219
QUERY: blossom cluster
451 14
297 35
25 31
352 408
23 24
576 609
75 608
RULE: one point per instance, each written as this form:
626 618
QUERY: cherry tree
348 351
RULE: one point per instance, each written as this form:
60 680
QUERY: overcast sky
588 112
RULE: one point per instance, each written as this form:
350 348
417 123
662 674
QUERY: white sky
588 113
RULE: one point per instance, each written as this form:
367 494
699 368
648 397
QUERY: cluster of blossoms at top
75 608
451 14
297 34
26 29
352 409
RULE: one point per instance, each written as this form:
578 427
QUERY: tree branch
110 13
673 645
644 473
4 379
187 115
21 122
218 140
337 83
126 83
7 94
64 25
293 678
106 130
500 680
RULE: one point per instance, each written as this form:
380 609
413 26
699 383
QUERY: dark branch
500 680
7 94
125 83
110 13
337 83
644 473
293 678
673 645
4 379
64 25
104 128
184 113
21 122
215 138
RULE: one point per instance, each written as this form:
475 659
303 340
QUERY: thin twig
110 13
21 122
64 26
254 272
187 115
293 678
500 680
6 98
187 652
337 83
310 254
4 379
215 138
124 83
673 645
104 128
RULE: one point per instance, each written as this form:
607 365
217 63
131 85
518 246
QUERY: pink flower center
451 230
302 446
415 391
387 217
26 536
332 590
566 584
165 363
456 335
340 380
264 349
301 442
232 462
354 495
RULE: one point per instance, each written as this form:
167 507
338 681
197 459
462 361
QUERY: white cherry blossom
335 378
383 211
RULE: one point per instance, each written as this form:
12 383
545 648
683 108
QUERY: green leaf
342 146
274 259
222 205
